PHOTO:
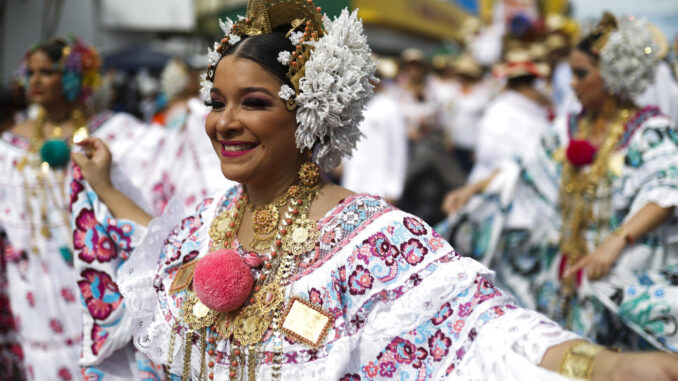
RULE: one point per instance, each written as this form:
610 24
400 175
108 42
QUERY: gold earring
309 173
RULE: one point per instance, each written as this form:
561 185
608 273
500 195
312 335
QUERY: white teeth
239 147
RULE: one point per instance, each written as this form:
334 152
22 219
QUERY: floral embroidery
403 350
68 295
99 337
415 226
315 297
350 377
99 292
64 374
370 369
30 299
465 309
92 243
413 251
442 315
420 357
439 345
485 290
387 369
56 325
360 281
381 247
121 235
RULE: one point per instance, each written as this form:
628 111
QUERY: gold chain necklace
296 234
578 190
36 161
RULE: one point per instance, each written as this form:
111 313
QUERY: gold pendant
269 298
183 278
196 314
302 237
306 322
250 325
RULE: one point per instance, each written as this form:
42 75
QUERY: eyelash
256 103
249 102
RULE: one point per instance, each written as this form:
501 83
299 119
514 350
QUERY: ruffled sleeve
101 245
650 170
405 303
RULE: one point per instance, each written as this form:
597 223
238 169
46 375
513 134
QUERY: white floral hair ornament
331 71
628 59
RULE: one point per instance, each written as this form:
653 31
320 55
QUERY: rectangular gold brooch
306 322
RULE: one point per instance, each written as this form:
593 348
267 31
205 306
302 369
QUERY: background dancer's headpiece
625 53
78 63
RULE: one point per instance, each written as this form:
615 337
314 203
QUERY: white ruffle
135 281
504 338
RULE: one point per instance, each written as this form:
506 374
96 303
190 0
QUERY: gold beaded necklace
43 158
295 234
578 191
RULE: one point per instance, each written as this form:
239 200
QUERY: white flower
226 26
334 90
213 56
205 87
628 60
286 92
284 57
295 37
233 39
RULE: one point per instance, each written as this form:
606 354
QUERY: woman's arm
457 198
95 166
607 365
599 262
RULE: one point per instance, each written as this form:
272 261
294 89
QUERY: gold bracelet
578 360
628 238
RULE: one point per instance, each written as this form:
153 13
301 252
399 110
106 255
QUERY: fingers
80 159
576 267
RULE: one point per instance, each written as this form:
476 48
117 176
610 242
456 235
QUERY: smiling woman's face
251 129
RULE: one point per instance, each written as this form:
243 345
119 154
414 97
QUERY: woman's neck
57 112
264 193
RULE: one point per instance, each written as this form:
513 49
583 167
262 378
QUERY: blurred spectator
515 119
379 163
469 97
431 170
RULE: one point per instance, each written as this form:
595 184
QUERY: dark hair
607 24
264 49
53 48
520 81
586 45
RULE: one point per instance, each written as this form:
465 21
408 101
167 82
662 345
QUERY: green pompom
55 152
66 255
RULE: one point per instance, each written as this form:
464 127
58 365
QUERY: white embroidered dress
405 303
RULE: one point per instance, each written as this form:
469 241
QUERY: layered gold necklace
294 235
44 157
579 190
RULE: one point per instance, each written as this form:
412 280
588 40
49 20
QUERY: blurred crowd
437 121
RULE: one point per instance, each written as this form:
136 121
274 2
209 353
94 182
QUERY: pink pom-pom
222 280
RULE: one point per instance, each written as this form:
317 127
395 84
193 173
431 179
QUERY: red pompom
222 280
580 152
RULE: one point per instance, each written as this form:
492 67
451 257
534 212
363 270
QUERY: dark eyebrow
244 91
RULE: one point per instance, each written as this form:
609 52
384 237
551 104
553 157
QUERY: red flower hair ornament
580 152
